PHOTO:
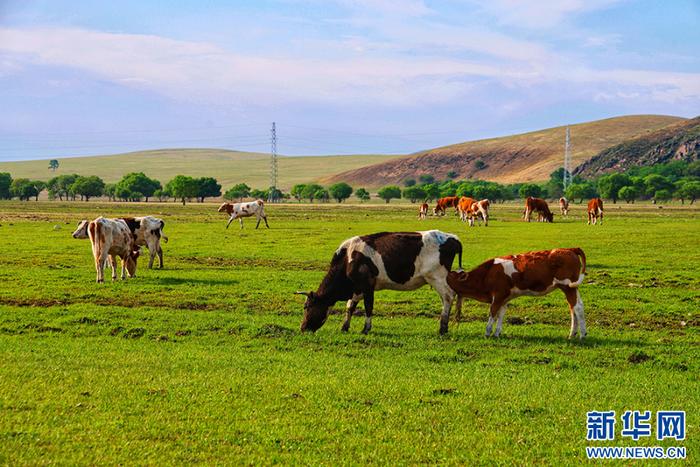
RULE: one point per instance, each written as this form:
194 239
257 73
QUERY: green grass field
203 361
228 167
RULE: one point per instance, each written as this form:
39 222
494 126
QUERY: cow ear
299 292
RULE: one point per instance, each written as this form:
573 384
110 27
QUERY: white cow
111 238
147 231
241 210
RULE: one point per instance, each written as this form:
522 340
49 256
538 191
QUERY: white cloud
540 13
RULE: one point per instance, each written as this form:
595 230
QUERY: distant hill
228 167
680 141
524 157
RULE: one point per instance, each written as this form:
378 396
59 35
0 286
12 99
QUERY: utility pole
272 196
567 160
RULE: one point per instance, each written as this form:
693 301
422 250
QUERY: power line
272 196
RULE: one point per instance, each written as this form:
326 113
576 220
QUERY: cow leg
258 224
572 299
528 213
100 267
447 295
240 220
229 221
601 217
369 306
496 305
350 309
578 311
160 256
501 314
589 218
113 266
152 251
266 224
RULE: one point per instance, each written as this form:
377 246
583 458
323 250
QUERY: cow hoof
443 329
366 330
345 328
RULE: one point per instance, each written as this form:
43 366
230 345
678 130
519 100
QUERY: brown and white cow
564 206
595 210
541 207
464 207
500 280
388 260
423 211
147 231
111 238
444 203
479 210
241 210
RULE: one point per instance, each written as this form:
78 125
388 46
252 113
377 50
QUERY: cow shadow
507 338
184 281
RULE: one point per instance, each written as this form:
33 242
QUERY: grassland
203 362
229 167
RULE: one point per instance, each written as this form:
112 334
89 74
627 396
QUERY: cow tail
582 255
459 255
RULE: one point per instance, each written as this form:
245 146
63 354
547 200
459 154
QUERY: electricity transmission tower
566 177
272 196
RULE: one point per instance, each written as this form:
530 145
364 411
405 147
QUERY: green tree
432 191
207 187
110 191
53 164
161 194
479 164
297 191
426 178
139 182
389 192
662 195
237 192
409 182
689 190
310 190
609 185
413 193
183 187
39 186
22 188
340 191
452 174
580 191
656 182
322 195
530 189
259 194
5 183
628 193
362 194
87 187
61 186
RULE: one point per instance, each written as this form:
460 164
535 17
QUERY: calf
444 203
479 210
423 212
595 210
564 206
387 260
464 207
241 210
111 238
541 207
500 280
147 231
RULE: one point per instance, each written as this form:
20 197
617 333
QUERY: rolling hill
228 167
524 157
680 141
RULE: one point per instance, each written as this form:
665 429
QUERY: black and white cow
147 231
387 260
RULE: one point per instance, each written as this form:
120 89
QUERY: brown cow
423 212
541 207
111 238
595 210
564 206
464 207
500 280
444 203
479 210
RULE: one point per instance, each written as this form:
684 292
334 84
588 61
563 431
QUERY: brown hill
680 141
524 157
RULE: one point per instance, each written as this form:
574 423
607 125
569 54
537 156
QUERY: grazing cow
241 210
387 260
595 210
147 231
564 206
479 210
464 207
423 212
444 203
111 238
541 207
500 280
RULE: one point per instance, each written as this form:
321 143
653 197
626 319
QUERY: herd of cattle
402 261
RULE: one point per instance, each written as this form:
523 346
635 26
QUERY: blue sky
338 76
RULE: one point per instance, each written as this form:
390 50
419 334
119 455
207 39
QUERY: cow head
81 231
315 312
224 207
549 216
131 261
